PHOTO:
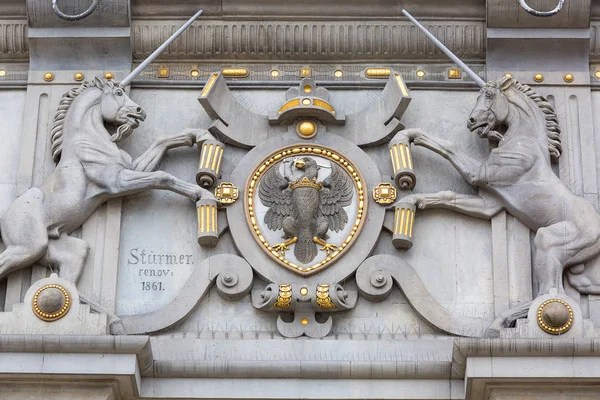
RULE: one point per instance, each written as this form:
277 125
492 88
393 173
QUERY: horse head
118 109
500 102
491 110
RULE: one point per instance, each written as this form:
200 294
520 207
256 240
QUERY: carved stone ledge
309 40
13 40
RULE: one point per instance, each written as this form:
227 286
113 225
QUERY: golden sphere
307 128
48 76
2 72
307 89
420 73
569 78
274 73
194 73
303 291
538 77
338 73
78 76
597 74
508 75
306 102
109 75
304 321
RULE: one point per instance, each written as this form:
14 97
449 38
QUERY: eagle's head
308 166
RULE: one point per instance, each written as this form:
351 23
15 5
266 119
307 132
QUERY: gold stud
304 291
508 75
48 76
538 77
304 321
454 73
305 72
78 76
420 73
307 89
569 78
274 73
307 129
109 75
164 71
194 73
306 102
597 74
2 72
338 73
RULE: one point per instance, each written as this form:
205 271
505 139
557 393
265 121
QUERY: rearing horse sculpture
517 176
91 170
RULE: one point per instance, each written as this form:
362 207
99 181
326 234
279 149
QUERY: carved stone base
51 307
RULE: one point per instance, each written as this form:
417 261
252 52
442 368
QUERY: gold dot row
549 329
49 76
306 150
540 78
51 316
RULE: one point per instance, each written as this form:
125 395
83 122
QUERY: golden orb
569 78
194 73
508 75
307 128
420 73
78 76
303 291
307 89
338 73
274 73
109 75
538 77
2 72
597 74
48 76
304 321
306 102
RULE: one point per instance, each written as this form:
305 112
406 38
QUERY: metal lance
157 52
480 82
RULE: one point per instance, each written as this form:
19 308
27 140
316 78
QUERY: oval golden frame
315 150
49 317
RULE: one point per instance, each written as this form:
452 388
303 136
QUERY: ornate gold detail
109 75
274 73
384 193
48 76
569 78
51 315
78 76
226 193
164 72
454 73
207 219
556 321
338 73
305 182
304 321
284 297
323 298
305 72
380 73
322 151
402 86
290 104
304 291
403 222
420 73
323 104
235 72
538 77
209 85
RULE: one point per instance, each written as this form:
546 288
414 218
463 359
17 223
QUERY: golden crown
305 182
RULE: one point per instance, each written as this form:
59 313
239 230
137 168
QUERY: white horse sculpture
91 170
517 176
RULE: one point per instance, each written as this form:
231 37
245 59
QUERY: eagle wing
337 193
274 192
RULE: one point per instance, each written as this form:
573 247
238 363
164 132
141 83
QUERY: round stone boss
358 246
51 302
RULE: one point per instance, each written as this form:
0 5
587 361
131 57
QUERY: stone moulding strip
309 40
77 344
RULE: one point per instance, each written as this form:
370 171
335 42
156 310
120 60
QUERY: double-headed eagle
304 208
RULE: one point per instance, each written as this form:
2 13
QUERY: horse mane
552 127
59 119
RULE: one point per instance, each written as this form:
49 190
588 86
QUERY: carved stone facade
259 209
